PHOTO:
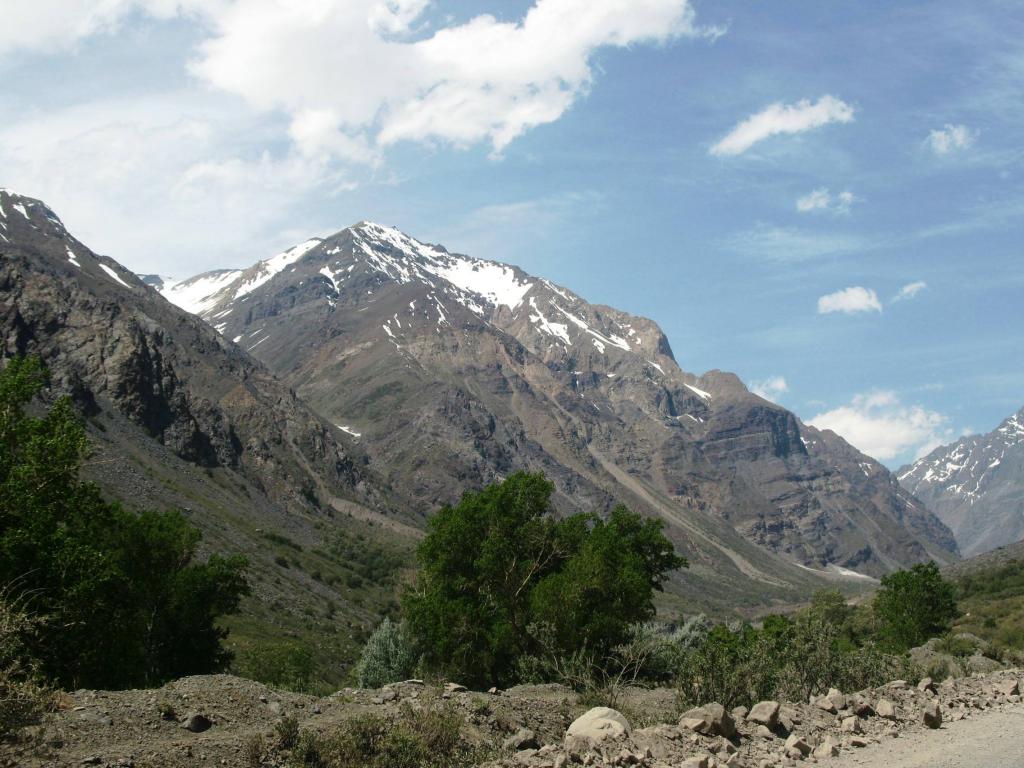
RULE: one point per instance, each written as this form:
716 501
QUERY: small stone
710 720
797 743
898 684
493 691
765 713
858 742
739 713
837 697
699 761
764 732
454 688
197 723
931 714
826 704
827 748
927 684
1008 687
886 709
851 725
524 738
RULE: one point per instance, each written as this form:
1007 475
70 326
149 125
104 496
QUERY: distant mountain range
976 486
366 378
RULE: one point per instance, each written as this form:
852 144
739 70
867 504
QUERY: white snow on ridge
349 430
561 330
697 390
72 258
198 294
599 338
114 275
269 267
497 283
20 209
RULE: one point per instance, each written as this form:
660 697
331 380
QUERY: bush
22 697
499 562
386 658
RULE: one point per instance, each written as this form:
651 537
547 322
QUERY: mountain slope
183 419
453 371
976 485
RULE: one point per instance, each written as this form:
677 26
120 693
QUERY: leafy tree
913 606
499 562
386 658
124 601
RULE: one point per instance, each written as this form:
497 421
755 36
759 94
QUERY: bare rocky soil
525 726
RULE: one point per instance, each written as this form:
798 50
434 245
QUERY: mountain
452 371
976 486
182 418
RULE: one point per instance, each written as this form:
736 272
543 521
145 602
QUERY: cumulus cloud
771 388
881 426
951 138
850 301
353 73
822 199
779 118
909 291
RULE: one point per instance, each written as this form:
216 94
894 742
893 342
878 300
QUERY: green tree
499 562
124 601
386 657
913 606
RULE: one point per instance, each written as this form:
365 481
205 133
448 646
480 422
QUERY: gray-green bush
387 657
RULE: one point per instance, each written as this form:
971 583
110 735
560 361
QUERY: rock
861 707
493 691
598 724
886 709
700 761
825 703
898 684
927 684
524 738
454 688
931 714
765 712
1008 687
851 725
197 723
837 697
739 713
764 732
827 748
413 681
858 742
710 720
796 744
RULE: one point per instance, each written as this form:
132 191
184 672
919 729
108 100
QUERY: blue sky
826 198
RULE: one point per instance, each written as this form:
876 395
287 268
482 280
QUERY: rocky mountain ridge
976 486
453 371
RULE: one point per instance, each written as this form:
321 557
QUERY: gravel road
993 740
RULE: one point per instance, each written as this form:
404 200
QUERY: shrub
287 730
281 665
386 658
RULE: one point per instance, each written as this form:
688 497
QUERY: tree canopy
122 599
499 563
913 606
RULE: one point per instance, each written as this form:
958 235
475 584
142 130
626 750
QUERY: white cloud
361 70
950 138
771 388
790 244
53 25
909 291
850 300
779 118
881 426
822 199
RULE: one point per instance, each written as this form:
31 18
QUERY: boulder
700 761
927 684
837 697
454 688
825 703
886 709
710 720
764 713
931 714
598 724
739 713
